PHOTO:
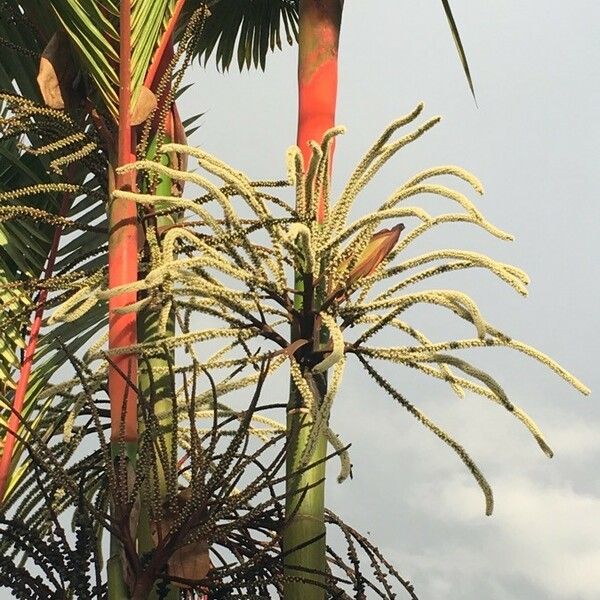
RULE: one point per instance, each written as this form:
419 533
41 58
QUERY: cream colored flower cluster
259 265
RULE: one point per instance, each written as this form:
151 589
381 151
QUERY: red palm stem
318 43
27 363
165 47
122 255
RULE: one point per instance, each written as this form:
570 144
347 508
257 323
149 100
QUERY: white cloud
555 534
548 537
575 439
543 541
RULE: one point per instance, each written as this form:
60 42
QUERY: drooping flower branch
237 269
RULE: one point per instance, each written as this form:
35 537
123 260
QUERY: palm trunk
318 42
122 270
155 384
304 537
154 379
122 257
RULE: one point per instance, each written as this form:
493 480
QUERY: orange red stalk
320 22
122 256
26 365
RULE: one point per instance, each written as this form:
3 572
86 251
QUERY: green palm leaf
246 29
459 45
93 28
24 249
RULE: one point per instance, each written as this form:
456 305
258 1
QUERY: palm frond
93 28
23 36
32 197
23 252
246 30
459 45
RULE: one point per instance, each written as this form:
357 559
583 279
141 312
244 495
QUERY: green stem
116 583
155 383
304 542
304 535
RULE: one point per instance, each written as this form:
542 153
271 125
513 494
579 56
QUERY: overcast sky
533 141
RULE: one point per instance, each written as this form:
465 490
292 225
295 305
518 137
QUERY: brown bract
379 246
57 73
191 560
144 106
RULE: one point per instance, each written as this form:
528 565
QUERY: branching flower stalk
227 499
235 270
233 260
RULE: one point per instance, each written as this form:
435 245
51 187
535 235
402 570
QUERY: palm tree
139 38
318 45
124 52
94 44
111 34
123 58
318 34
48 477
365 286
